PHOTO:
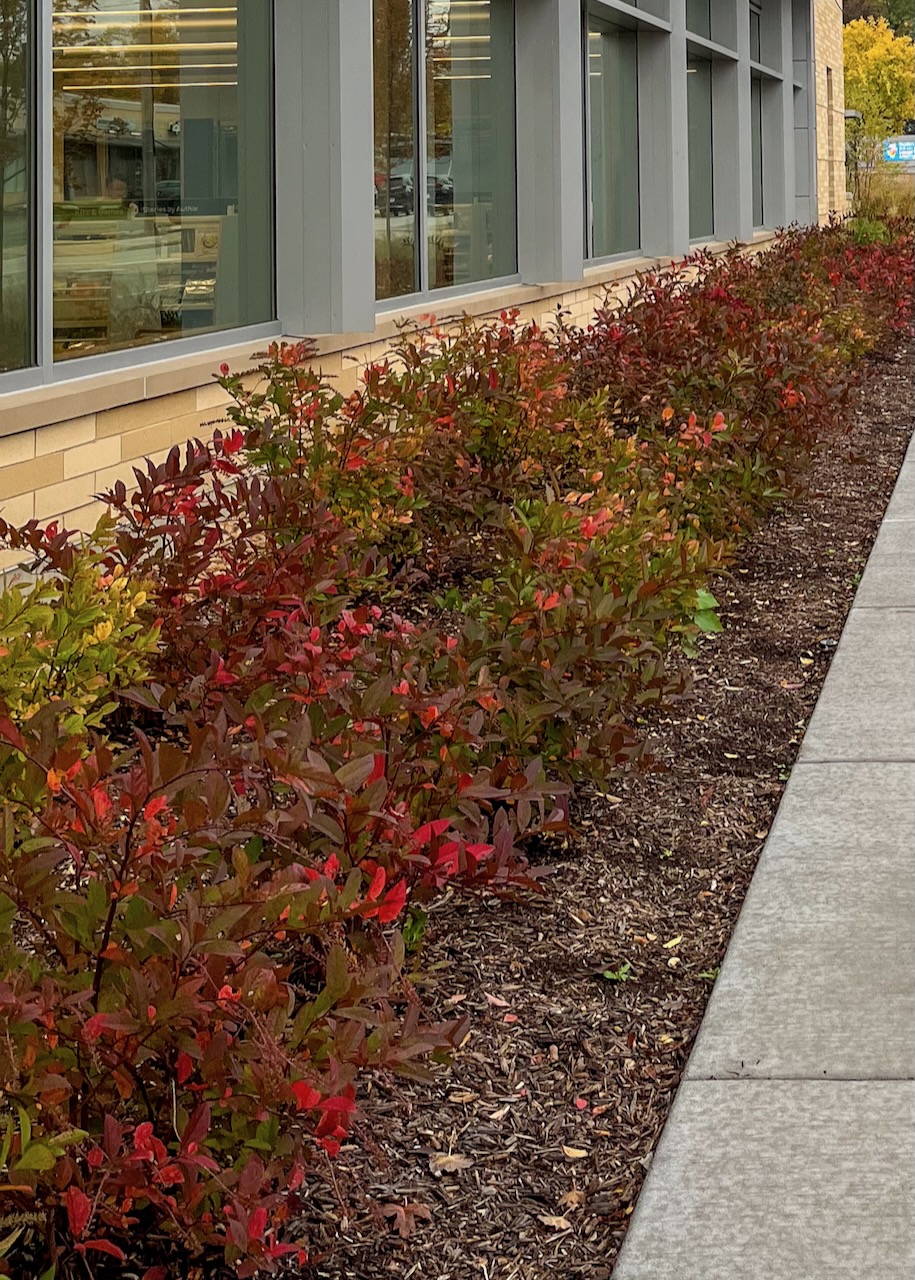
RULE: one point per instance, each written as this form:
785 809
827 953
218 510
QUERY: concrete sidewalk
790 1150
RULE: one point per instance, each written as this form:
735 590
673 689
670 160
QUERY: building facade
183 182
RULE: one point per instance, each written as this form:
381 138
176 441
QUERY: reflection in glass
756 148
755 33
613 81
395 150
16 288
699 17
701 177
162 174
470 140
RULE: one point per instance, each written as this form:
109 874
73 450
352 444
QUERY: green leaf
69 1138
8 1241
39 1157
707 620
25 1127
705 600
7 1142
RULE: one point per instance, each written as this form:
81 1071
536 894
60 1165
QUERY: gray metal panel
325 168
551 211
664 138
731 110
784 200
804 113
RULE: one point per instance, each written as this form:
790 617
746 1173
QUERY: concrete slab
889 579
765 1180
894 539
867 708
819 979
902 503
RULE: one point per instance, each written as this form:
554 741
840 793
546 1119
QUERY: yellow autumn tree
879 76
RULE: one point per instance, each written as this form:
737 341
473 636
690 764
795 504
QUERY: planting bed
524 1161
319 762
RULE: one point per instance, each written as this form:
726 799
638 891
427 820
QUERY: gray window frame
46 372
385 307
325 163
619 15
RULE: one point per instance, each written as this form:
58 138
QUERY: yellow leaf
575 1153
673 942
558 1224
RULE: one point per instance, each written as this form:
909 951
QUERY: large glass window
701 176
456 57
162 170
470 140
614 139
756 148
16 116
396 259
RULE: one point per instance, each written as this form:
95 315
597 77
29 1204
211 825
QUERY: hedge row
305 675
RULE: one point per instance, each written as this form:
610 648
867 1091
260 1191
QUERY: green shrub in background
75 636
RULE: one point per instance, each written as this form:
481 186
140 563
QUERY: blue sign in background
899 150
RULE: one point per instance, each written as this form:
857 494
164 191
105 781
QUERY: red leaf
306 1097
183 1067
197 1127
425 833
379 880
104 1246
102 803
377 768
94 1027
394 902
152 807
340 1103
79 1211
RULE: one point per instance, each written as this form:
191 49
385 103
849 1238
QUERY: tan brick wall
830 107
53 472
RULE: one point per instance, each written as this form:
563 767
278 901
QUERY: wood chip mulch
523 1160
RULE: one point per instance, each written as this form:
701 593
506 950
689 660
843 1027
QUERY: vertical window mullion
586 140
44 188
422 169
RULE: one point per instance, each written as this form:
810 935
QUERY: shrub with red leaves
387 632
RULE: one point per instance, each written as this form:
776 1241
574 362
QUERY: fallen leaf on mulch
558 1224
574 1153
449 1163
405 1215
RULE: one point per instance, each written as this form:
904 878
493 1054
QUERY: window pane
699 110
756 139
699 17
755 34
470 140
395 150
613 83
163 221
16 287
